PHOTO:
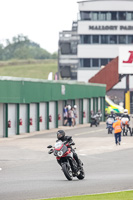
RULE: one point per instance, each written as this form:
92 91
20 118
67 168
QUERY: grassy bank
109 196
28 68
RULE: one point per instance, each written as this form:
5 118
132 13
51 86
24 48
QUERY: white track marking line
90 132
0 169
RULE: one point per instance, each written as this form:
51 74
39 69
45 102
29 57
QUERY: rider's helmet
60 134
112 112
125 112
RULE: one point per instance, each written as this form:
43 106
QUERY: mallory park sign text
102 28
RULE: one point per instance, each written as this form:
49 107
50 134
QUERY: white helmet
125 111
69 107
75 106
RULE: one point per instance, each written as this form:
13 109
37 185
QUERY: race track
27 171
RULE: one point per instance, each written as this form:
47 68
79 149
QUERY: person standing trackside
75 115
70 115
117 130
65 115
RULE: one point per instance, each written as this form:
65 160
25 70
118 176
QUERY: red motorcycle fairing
64 155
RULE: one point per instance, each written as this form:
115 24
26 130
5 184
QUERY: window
103 16
110 59
104 61
122 39
85 15
130 39
113 15
104 39
122 15
65 48
95 62
112 39
86 39
86 62
129 16
108 16
74 47
95 16
95 39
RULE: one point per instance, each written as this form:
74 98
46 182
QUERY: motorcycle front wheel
67 171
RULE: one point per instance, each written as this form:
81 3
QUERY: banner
125 60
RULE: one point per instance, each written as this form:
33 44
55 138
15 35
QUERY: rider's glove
50 151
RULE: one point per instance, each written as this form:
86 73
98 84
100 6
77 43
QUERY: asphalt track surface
27 171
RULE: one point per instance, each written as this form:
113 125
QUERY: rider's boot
80 164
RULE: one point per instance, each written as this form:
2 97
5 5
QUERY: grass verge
127 195
28 68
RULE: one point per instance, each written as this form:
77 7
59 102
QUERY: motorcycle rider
112 116
125 115
68 139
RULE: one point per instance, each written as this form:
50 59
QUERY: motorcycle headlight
60 153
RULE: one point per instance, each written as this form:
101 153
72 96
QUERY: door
85 111
43 115
2 121
52 113
60 113
77 104
12 118
33 117
80 111
23 115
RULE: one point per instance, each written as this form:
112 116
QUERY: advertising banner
125 60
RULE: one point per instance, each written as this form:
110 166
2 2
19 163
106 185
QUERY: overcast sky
40 20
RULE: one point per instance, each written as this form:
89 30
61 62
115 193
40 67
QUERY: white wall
85 75
83 27
104 5
98 51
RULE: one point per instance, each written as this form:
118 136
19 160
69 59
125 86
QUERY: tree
22 48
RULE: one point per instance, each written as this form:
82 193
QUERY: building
29 105
103 26
68 60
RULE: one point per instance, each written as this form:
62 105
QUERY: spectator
75 115
65 115
70 115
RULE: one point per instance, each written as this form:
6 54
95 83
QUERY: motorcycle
125 126
95 119
109 123
64 156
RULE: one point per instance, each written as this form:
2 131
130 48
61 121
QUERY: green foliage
109 196
22 48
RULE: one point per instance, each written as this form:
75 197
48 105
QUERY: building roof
102 0
108 75
70 82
